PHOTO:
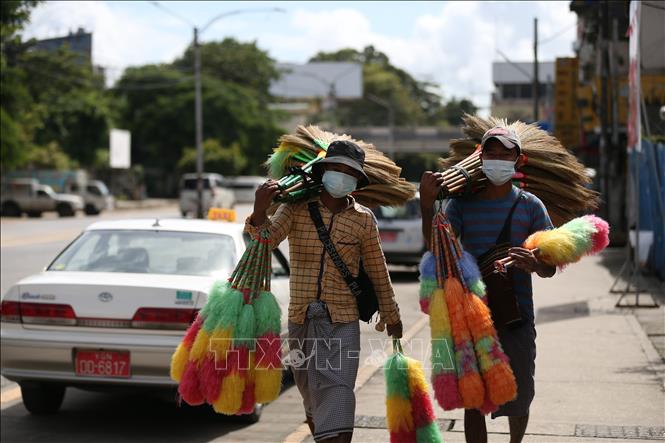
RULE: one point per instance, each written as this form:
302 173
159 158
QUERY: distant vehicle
96 197
215 195
28 196
401 232
244 187
112 307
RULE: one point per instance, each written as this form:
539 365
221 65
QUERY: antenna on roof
156 224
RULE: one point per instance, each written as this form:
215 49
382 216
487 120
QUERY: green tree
14 97
226 161
49 98
454 110
233 61
157 105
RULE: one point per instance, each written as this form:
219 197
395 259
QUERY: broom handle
472 163
438 256
458 180
470 159
293 188
397 346
458 187
288 179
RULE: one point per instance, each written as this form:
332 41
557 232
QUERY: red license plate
102 363
388 236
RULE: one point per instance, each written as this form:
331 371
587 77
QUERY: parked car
244 187
401 232
28 196
215 195
96 197
111 308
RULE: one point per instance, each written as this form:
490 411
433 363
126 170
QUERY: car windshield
98 189
149 252
190 183
409 211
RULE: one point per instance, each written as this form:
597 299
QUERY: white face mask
339 184
498 171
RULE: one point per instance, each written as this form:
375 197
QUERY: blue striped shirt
479 223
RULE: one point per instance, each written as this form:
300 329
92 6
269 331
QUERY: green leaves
157 105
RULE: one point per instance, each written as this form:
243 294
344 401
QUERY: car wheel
91 210
34 214
42 398
65 210
11 209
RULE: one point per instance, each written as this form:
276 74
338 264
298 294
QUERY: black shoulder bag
500 291
361 287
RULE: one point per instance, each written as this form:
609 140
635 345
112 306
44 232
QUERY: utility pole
604 142
198 116
535 69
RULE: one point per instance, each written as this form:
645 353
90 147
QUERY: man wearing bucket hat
494 223
324 334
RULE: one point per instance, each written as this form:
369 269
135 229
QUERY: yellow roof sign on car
222 214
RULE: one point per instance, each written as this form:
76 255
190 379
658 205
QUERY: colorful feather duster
409 412
551 172
230 356
291 164
427 277
586 235
469 367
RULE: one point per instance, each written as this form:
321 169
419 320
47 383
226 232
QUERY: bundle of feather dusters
302 149
551 172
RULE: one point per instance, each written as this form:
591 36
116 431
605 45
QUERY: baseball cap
506 136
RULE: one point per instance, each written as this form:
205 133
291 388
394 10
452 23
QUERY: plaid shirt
355 234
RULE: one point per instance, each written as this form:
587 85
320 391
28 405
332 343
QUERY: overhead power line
557 34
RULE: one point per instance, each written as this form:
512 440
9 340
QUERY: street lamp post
198 105
198 115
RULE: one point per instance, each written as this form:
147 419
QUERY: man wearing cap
493 224
324 334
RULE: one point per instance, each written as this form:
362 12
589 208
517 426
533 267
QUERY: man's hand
263 198
524 259
528 262
430 185
264 195
395 331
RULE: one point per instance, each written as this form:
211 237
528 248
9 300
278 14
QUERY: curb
656 363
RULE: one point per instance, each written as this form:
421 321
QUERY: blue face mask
339 184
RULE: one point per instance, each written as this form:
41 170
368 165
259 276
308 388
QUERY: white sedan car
112 307
401 232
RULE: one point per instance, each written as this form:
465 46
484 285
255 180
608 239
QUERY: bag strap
504 235
324 236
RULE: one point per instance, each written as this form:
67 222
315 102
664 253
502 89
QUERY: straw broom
309 143
551 173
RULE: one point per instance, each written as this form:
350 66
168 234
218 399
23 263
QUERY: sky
450 43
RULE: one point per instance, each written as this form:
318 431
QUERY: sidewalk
598 377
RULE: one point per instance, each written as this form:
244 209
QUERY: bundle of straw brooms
551 172
291 163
